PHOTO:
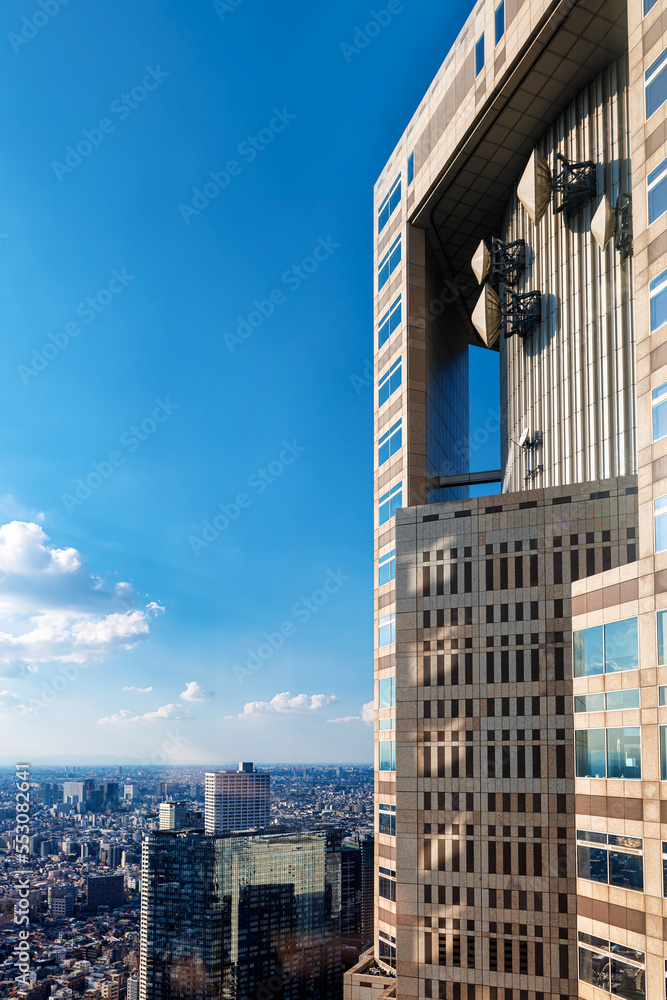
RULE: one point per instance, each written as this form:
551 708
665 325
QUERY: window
649 5
664 869
663 753
387 951
386 724
391 442
387 820
387 629
387 881
608 753
390 502
391 202
479 55
500 20
610 701
411 168
610 859
660 511
387 568
655 82
659 405
612 967
389 323
387 755
389 263
606 648
658 301
657 192
390 382
662 638
387 693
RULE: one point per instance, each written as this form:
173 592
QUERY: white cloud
54 610
171 713
131 687
366 716
285 704
195 692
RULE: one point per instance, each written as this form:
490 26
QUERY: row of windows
499 26
390 203
390 382
389 263
391 442
607 701
389 323
606 649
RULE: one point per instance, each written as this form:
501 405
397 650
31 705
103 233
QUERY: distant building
130 791
104 890
172 815
73 791
50 795
357 889
165 788
133 989
61 901
237 800
225 916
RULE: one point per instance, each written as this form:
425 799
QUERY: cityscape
281 717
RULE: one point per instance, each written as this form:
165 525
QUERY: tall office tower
130 791
172 815
104 890
110 793
236 800
51 794
74 791
357 889
236 915
164 788
521 638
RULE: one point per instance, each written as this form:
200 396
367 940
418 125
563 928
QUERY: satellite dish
525 438
603 223
487 316
481 262
535 186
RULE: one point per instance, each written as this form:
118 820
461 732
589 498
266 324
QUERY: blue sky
123 294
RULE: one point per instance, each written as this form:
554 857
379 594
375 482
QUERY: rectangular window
387 755
606 648
616 701
662 638
390 382
610 753
387 819
618 861
589 702
655 82
387 888
389 263
387 568
649 5
390 503
660 511
391 202
389 323
386 724
387 693
411 168
479 55
663 753
391 442
664 871
658 301
614 968
657 192
659 406
387 629
500 20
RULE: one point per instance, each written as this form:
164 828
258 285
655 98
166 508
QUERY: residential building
172 815
226 916
237 800
521 658
104 890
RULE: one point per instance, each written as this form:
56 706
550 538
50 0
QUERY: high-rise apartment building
521 638
172 815
236 800
236 915
104 890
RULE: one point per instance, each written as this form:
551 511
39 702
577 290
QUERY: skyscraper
104 890
223 916
521 664
172 815
237 800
